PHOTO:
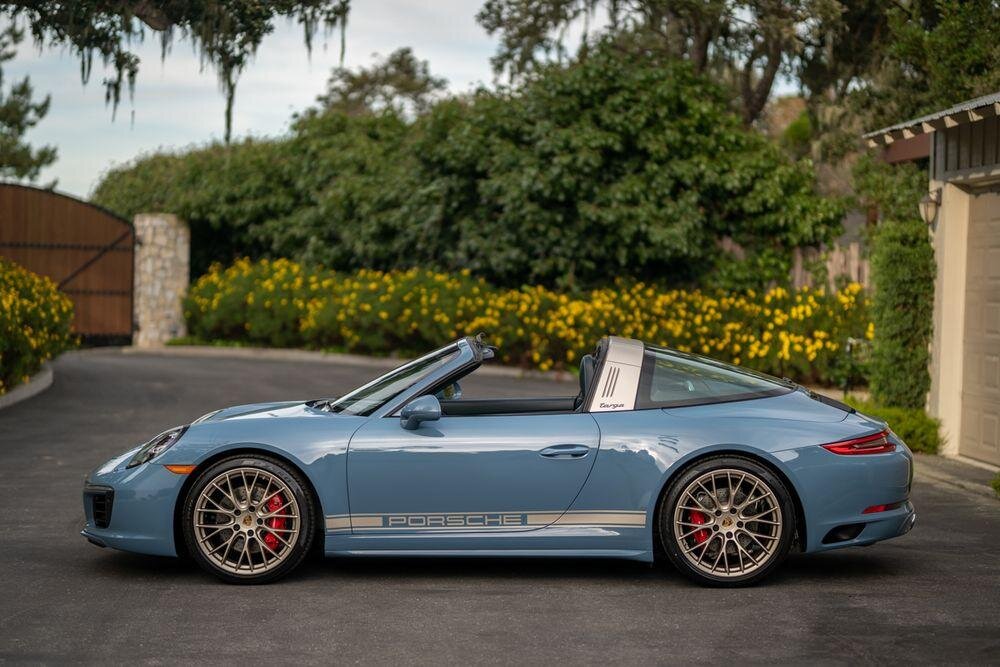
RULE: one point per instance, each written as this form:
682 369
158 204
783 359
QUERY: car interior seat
587 368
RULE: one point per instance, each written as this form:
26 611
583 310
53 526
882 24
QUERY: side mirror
419 410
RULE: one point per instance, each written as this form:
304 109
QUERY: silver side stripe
451 521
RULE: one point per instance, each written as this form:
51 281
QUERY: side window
673 379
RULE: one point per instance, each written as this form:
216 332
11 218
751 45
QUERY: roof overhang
969 111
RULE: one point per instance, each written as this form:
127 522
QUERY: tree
940 53
611 166
399 83
606 168
745 43
617 165
19 112
226 33
228 194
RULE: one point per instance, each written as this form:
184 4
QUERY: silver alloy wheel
246 521
728 523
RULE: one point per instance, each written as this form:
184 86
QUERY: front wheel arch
180 545
800 517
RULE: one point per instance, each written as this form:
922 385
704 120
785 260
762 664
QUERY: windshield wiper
323 404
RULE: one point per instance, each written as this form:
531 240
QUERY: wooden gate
86 250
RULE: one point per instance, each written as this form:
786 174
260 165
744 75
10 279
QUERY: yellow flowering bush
35 323
798 333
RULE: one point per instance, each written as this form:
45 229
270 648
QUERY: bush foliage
920 431
280 303
902 308
610 167
903 270
35 321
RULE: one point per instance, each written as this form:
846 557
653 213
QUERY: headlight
157 446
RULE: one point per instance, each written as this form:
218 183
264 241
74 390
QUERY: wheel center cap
728 522
247 521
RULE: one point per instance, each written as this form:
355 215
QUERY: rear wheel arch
320 519
800 519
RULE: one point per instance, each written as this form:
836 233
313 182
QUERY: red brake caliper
698 518
277 523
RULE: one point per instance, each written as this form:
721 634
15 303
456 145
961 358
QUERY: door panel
507 473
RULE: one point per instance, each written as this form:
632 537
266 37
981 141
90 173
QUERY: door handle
565 451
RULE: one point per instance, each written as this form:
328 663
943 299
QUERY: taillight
870 444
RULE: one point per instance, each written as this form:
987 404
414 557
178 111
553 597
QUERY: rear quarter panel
642 450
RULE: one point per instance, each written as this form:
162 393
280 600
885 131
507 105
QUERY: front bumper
132 509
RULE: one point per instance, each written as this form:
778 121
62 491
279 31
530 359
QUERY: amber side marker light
180 470
870 444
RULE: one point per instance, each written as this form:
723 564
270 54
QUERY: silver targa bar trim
618 383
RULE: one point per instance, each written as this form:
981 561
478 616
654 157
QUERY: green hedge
35 322
920 431
902 308
903 269
612 166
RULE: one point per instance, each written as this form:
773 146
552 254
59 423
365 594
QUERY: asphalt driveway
931 596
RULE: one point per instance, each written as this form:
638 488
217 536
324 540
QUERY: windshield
672 379
375 394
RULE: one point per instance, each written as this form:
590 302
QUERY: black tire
771 550
298 549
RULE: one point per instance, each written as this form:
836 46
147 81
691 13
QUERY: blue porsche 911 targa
661 455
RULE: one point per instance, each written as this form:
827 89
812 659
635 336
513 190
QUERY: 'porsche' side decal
444 521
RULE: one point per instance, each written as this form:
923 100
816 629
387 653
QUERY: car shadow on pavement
853 566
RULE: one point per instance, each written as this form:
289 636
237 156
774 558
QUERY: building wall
965 160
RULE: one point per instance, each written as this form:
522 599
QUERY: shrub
608 167
35 320
902 309
920 431
226 193
903 268
995 483
279 303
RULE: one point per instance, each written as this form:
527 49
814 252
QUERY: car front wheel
248 519
727 521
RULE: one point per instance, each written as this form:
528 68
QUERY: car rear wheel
248 519
727 521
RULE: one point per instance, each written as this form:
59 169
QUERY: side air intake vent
102 501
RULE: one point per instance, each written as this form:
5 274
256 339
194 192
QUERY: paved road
932 596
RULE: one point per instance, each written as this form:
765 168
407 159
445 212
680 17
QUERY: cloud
178 103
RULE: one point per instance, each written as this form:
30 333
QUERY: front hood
259 411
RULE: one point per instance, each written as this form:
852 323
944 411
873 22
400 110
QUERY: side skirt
625 554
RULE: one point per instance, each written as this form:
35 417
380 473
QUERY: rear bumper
873 528
835 490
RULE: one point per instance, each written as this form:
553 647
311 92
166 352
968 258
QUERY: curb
928 473
38 383
289 354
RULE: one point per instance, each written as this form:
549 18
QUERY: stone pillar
162 264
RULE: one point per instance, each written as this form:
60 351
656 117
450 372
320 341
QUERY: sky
178 104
